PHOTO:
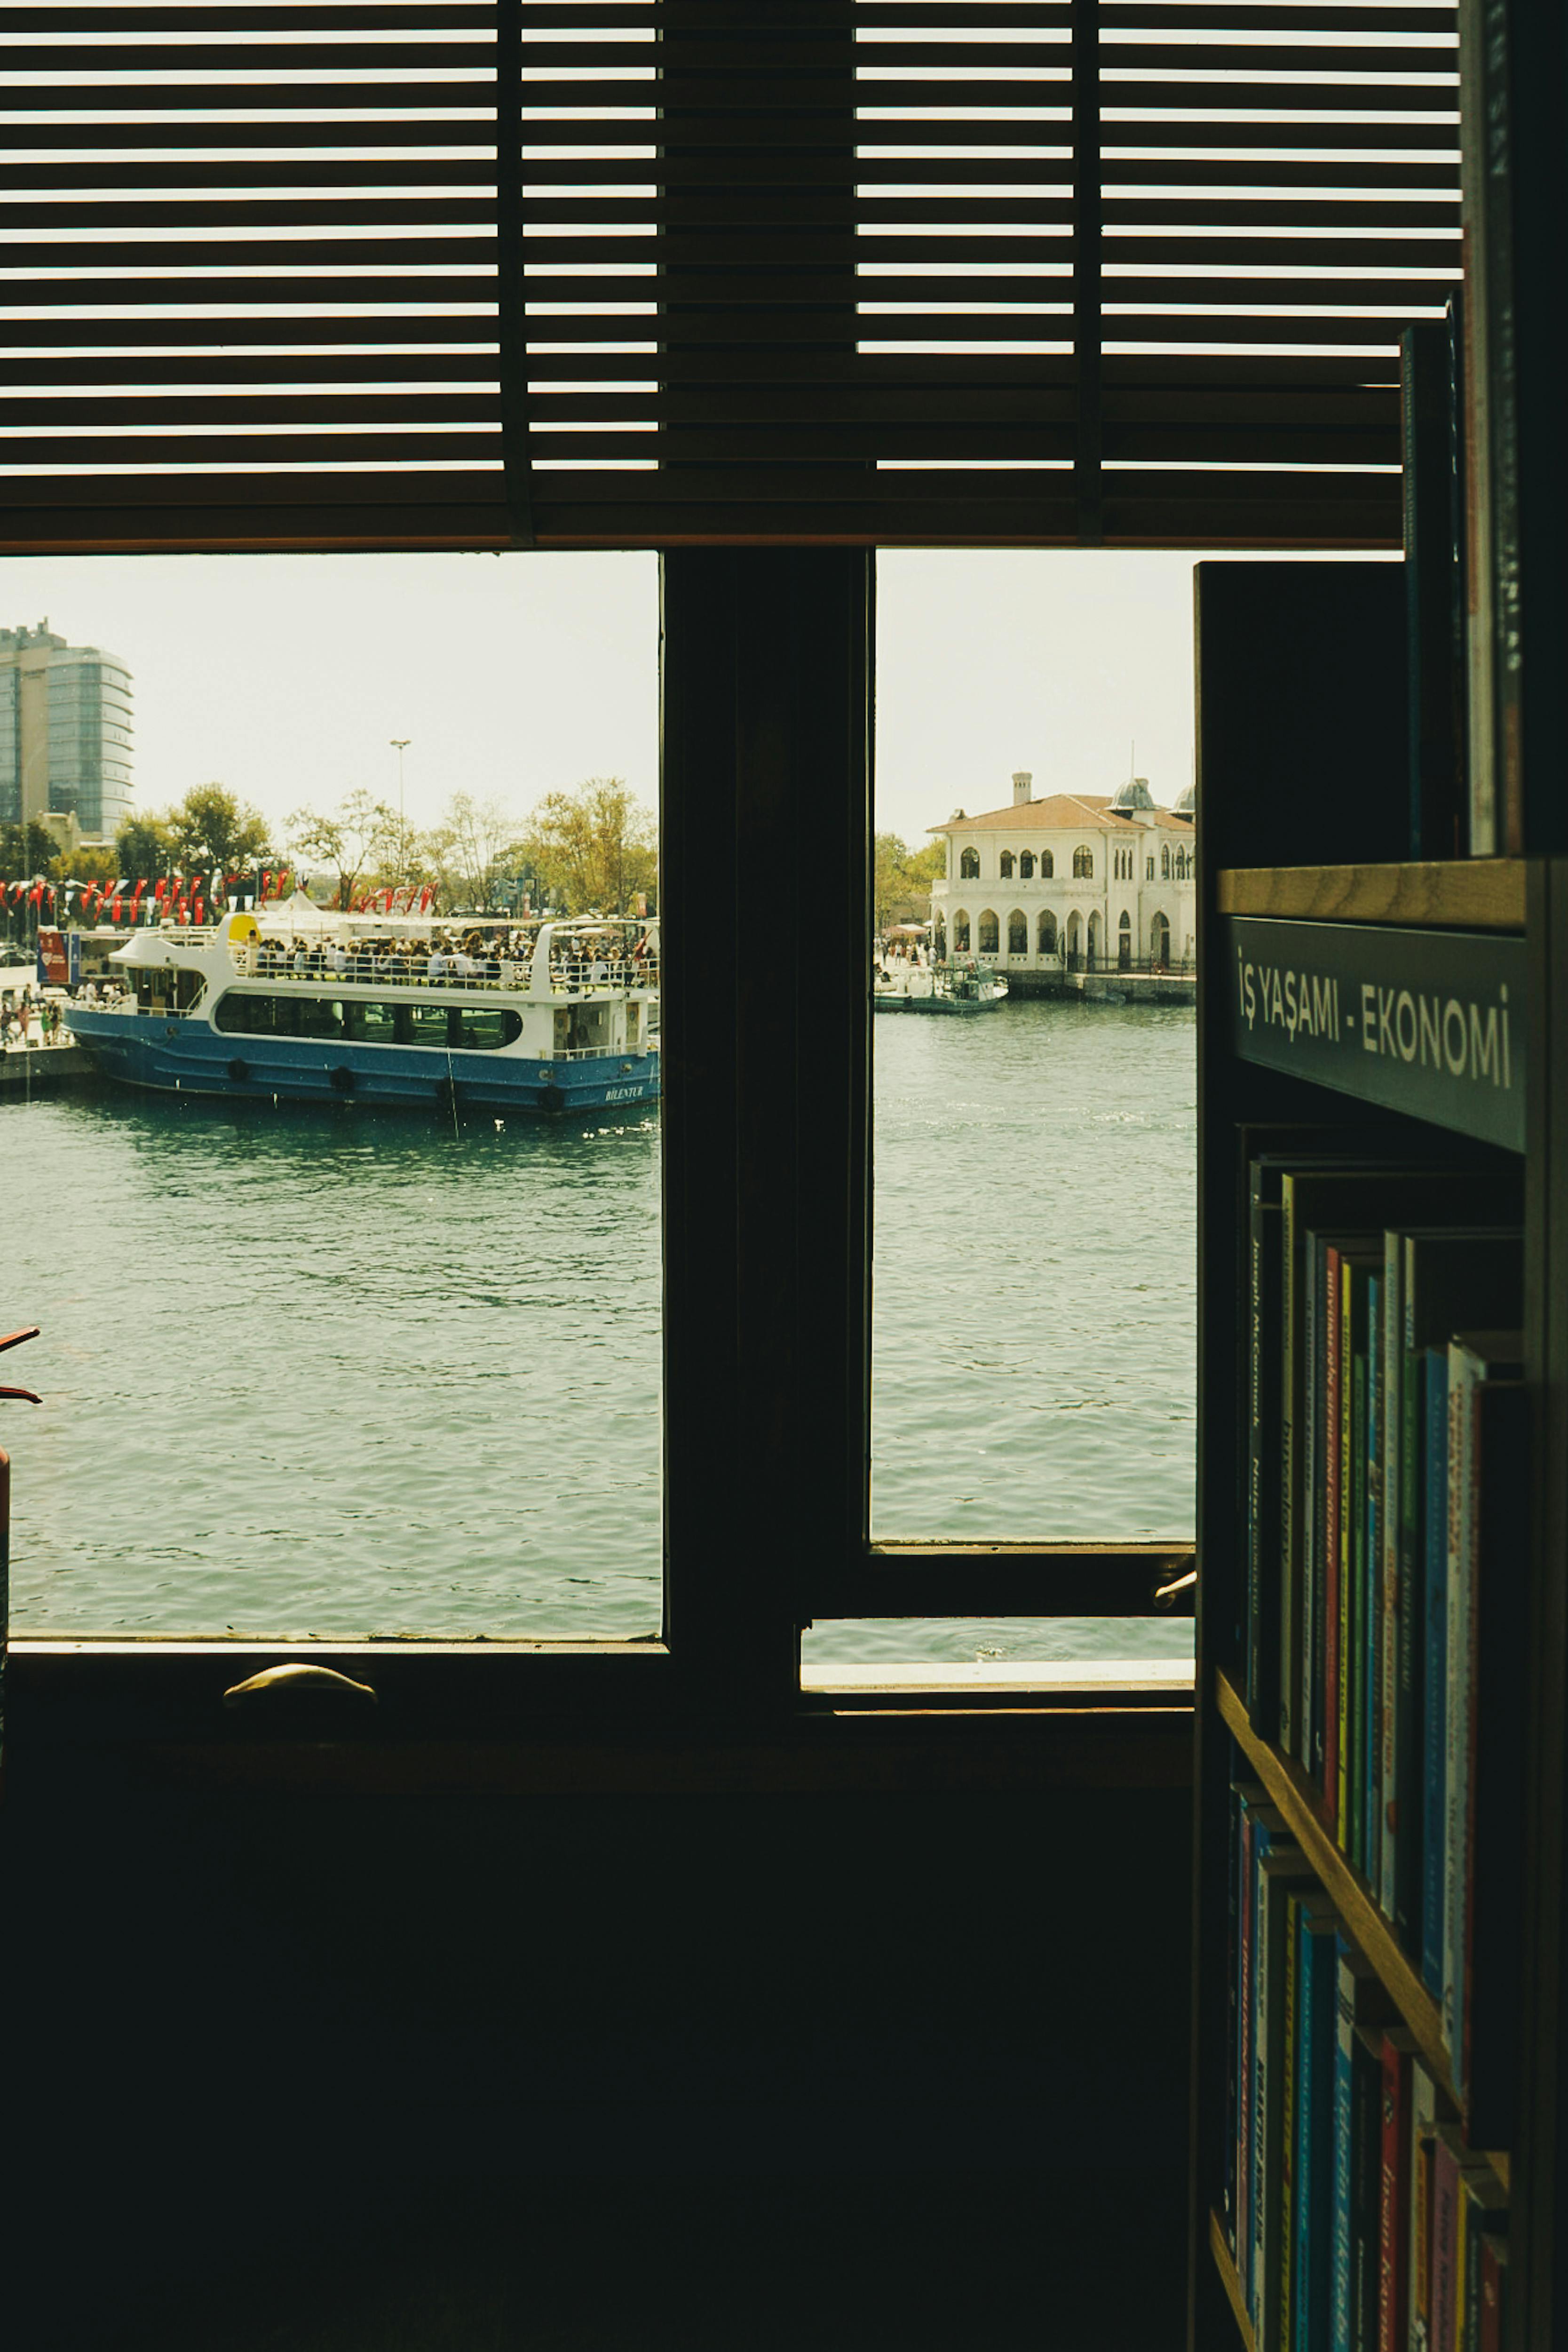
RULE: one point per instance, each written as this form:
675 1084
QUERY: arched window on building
1047 865
990 933
961 932
1125 943
939 940
1006 866
1149 867
1165 863
970 865
1026 866
1046 933
1083 864
1018 932
1160 943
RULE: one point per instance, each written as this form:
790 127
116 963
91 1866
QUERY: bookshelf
1278 862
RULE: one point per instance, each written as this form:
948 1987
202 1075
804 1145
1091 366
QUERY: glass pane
1034 1073
378 1352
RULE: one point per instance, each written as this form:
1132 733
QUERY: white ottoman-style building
1081 881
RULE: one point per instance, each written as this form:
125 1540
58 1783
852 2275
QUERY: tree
351 838
471 849
26 850
211 827
902 879
145 847
594 846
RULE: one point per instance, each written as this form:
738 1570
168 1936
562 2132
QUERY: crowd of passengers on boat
471 959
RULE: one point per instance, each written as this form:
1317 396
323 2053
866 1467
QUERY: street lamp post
400 744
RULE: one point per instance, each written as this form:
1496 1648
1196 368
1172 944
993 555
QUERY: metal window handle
302 1680
1168 1592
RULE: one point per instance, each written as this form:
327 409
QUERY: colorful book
1435 1679
1394 2206
1448 2155
1350 1193
1285 1872
1360 2000
1423 2123
1365 2185
1315 2045
1488 2059
1474 1360
1448 1278
1494 2292
1483 2213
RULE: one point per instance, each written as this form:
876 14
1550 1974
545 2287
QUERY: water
336 1375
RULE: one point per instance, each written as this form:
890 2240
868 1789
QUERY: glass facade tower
64 731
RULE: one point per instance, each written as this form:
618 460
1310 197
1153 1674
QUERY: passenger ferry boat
339 1014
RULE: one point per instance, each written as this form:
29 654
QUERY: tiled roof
1063 813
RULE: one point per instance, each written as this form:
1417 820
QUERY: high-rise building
64 731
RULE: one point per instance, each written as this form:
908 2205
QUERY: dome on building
1135 795
1187 805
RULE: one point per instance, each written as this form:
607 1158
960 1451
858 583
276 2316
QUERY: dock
27 1070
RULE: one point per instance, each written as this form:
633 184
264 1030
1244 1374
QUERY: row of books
1385 1549
1357 2217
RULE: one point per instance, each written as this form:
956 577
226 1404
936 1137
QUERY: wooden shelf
1228 2278
1291 1791
1476 894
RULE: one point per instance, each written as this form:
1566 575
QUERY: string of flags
176 897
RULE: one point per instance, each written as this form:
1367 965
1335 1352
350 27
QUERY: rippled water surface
338 1374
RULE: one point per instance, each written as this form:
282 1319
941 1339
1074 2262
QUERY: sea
329 1375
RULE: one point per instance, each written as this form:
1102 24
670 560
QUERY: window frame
767 703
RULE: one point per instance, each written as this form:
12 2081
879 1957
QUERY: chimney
1023 782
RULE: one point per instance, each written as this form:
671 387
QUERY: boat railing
570 982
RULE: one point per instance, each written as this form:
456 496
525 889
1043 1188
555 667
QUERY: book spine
1373 1485
1423 2122
1286 2191
1353 1570
1344 2143
1256 1449
1362 1502
1390 1696
1366 2172
1457 1751
1445 2229
1494 2292
1313 2132
1435 1682
1411 1613
1489 2056
1334 1659
1233 2020
1311 1558
1244 2063
1394 2212
1333 1569
1354 1475
1252 2270
1290 1599
1478 375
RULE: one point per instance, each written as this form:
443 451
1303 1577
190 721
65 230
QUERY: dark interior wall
752 2069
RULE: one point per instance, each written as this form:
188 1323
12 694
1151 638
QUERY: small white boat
963 987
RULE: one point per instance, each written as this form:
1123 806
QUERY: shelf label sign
1428 1023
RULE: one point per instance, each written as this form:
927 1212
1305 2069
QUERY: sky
287 677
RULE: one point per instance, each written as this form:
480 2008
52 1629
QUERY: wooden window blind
429 273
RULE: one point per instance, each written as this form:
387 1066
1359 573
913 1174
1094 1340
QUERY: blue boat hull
189 1057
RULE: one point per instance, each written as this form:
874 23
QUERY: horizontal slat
335 257
266 55
111 452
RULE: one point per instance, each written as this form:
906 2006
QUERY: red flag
118 904
183 912
266 882
136 894
200 910
161 887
